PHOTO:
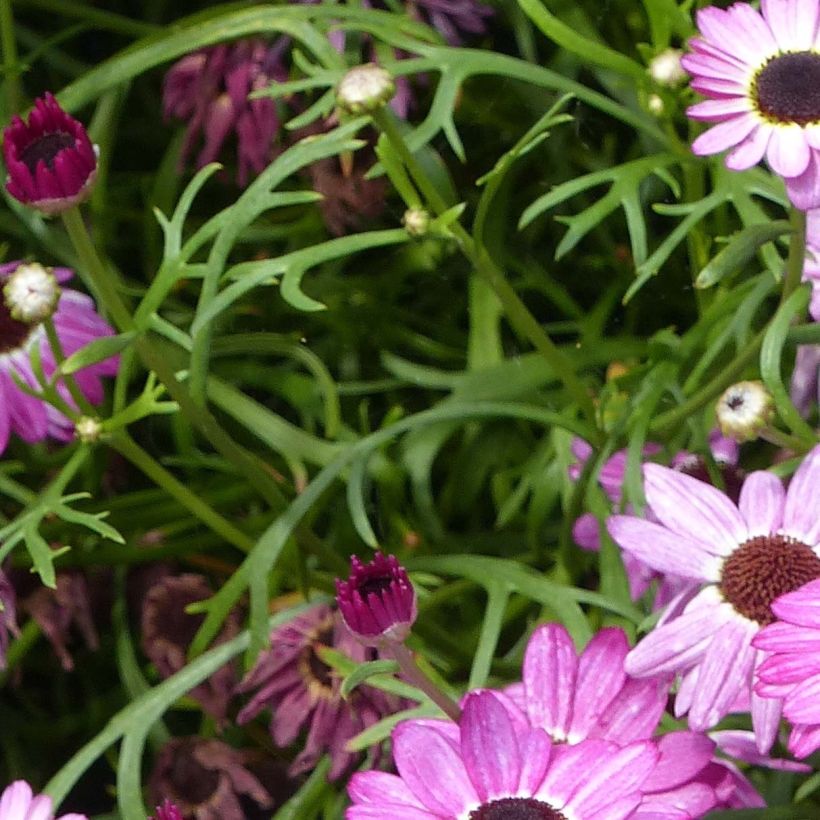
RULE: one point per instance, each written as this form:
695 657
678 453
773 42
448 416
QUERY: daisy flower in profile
792 669
17 802
76 323
492 765
761 74
744 557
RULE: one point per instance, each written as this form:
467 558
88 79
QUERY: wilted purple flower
377 602
167 632
17 802
743 558
76 323
57 610
452 18
50 160
8 622
209 90
301 690
204 780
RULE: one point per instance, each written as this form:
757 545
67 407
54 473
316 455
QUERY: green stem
411 672
783 440
516 311
200 417
10 65
797 254
59 357
141 459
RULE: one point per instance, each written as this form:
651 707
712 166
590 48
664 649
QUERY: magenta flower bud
377 602
50 160
167 811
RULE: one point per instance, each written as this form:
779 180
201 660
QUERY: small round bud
744 410
364 88
416 221
88 429
666 69
655 105
31 293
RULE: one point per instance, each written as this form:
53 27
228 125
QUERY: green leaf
363 672
740 250
97 351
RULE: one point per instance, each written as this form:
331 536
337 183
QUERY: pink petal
804 190
380 787
793 22
738 32
781 637
695 509
801 514
725 135
536 751
549 672
751 150
718 110
803 704
662 549
765 720
635 712
801 607
761 502
804 740
682 756
15 800
788 153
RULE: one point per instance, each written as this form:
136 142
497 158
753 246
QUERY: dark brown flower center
46 149
516 808
788 88
12 332
763 569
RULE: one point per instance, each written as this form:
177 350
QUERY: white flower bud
416 221
364 89
31 293
666 69
744 410
88 429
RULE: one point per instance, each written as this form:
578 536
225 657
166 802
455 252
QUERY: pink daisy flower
77 323
17 802
493 765
761 74
744 557
792 670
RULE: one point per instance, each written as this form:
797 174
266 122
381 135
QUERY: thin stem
200 417
783 440
10 65
414 675
141 459
68 379
797 254
516 311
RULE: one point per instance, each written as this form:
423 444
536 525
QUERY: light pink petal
678 644
617 775
692 800
682 756
718 110
725 669
804 190
740 744
536 751
694 508
803 704
713 87
739 30
686 691
780 637
765 720
788 668
364 811
636 711
812 134
489 747
5 421
549 672
801 607
618 809
804 740
788 153
600 677
569 769
15 800
662 549
793 22
801 514
432 769
381 787
40 809
725 135
761 502
586 532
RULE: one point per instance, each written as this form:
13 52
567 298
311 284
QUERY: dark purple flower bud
206 780
50 159
377 602
8 622
167 632
167 811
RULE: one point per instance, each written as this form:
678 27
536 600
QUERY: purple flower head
742 557
167 811
50 160
8 622
206 779
377 602
167 632
791 671
77 324
17 802
209 90
302 691
452 18
760 72
493 764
